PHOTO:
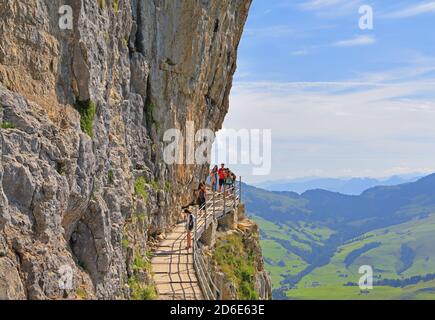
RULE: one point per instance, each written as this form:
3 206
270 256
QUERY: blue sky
340 101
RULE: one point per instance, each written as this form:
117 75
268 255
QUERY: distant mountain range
350 186
318 239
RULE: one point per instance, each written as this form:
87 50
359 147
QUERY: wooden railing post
205 209
214 205
234 195
225 191
195 232
240 189
207 284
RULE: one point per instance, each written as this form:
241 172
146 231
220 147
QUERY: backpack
191 223
201 197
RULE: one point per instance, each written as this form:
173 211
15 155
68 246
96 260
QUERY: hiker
222 176
201 196
214 178
190 226
234 179
229 182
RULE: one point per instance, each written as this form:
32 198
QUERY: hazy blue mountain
377 204
350 186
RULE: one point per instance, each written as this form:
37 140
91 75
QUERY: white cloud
357 41
303 52
368 127
415 10
331 8
415 67
278 31
319 4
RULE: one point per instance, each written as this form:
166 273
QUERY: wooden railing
216 206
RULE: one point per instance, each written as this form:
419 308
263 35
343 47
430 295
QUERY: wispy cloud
415 10
303 52
319 4
357 41
369 124
330 7
277 31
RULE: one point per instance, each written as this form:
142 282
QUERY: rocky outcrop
83 186
235 258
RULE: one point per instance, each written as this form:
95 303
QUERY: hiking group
221 179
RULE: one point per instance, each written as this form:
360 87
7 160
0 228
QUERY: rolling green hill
386 258
314 243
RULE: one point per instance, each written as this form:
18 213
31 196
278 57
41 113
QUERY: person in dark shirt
201 197
190 226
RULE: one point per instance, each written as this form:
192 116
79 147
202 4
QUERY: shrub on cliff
87 110
7 125
237 262
139 188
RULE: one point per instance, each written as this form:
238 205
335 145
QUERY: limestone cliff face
71 183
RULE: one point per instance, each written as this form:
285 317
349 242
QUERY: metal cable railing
215 207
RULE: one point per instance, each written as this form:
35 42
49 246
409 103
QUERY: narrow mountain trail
175 273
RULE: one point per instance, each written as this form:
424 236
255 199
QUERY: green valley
314 243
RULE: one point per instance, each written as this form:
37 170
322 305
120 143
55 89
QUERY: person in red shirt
222 175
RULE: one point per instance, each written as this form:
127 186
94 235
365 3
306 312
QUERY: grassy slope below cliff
238 263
